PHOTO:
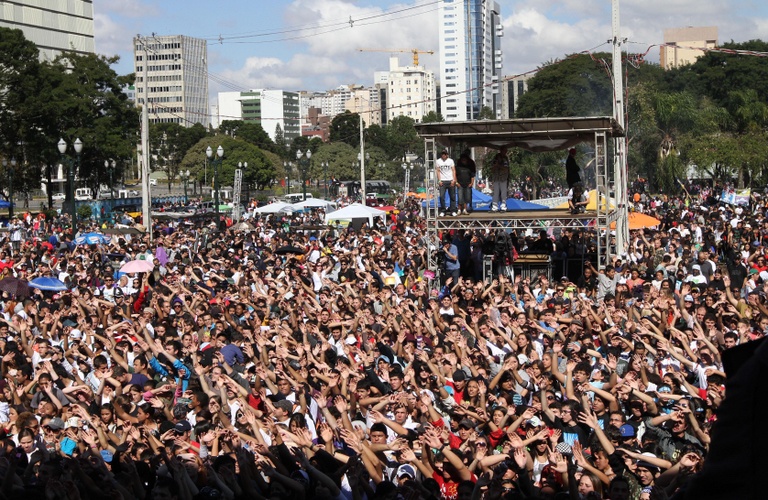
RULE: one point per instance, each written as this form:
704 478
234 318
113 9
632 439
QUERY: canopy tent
533 134
638 220
314 203
592 204
273 208
355 211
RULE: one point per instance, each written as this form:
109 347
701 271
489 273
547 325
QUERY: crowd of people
296 361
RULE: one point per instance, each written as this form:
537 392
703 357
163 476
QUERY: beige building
684 45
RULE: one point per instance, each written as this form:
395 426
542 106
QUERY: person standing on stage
465 178
500 179
446 175
572 169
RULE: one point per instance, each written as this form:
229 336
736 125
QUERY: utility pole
146 196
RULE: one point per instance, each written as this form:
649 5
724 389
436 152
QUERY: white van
83 194
296 197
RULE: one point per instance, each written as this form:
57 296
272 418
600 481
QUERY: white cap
76 334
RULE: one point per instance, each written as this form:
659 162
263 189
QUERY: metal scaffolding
537 135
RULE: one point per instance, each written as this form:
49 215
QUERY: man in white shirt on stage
446 175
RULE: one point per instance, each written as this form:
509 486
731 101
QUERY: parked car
153 182
59 197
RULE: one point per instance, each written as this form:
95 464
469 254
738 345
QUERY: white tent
274 208
355 211
314 203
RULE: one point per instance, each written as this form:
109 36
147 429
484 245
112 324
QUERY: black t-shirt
465 171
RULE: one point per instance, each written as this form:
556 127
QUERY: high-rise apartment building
269 108
684 45
177 78
511 90
470 58
53 25
410 91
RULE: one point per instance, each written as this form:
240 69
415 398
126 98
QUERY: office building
177 78
269 108
684 45
410 91
53 25
511 90
470 58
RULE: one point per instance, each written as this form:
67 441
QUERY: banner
736 196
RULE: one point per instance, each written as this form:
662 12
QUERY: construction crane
415 52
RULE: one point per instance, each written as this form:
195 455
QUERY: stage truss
540 134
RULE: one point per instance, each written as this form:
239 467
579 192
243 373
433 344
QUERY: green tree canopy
261 172
345 127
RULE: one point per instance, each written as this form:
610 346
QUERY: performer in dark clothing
465 178
572 169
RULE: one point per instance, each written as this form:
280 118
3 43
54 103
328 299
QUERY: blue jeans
446 186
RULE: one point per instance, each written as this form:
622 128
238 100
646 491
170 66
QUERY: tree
486 113
249 131
432 117
281 148
345 127
576 86
402 138
261 171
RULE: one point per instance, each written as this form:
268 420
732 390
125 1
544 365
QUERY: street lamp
407 167
184 174
110 166
216 163
362 161
71 167
288 165
304 165
10 172
324 164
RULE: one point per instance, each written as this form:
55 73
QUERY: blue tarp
482 203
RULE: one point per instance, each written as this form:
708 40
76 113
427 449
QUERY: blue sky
310 44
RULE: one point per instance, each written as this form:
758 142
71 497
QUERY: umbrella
48 283
137 266
639 220
91 239
15 286
289 249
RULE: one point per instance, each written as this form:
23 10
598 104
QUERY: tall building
365 101
53 25
177 78
470 58
684 45
410 91
269 108
511 90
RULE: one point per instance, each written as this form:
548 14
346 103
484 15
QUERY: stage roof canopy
533 134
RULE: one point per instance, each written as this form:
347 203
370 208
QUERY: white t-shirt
445 169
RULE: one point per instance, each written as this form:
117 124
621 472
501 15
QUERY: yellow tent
592 205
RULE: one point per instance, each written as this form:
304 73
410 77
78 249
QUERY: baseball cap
467 423
459 376
627 431
56 424
182 427
406 470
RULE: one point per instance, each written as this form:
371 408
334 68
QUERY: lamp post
303 165
184 174
324 164
216 163
244 165
110 167
407 167
71 167
10 172
288 165
361 160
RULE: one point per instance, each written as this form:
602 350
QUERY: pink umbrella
137 266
